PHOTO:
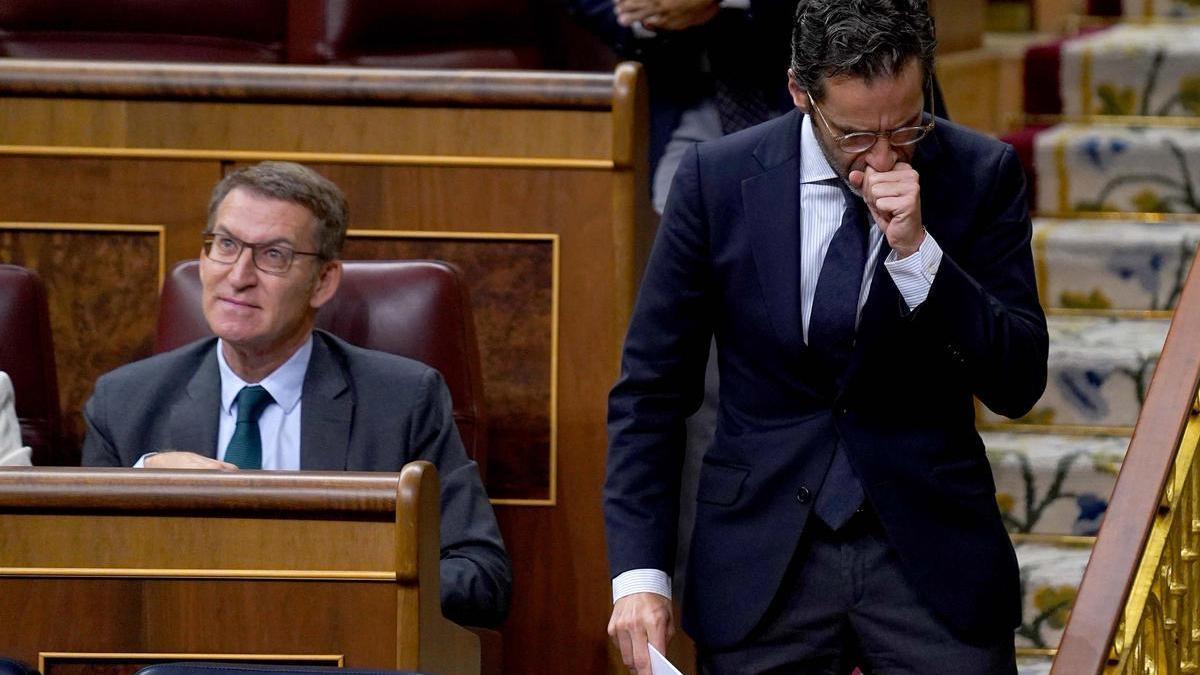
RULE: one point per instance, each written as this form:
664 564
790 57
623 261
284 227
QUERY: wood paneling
102 287
511 283
140 147
303 128
111 583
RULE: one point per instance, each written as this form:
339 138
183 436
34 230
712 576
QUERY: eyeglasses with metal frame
861 141
272 258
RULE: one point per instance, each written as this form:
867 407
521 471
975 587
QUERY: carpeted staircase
1114 237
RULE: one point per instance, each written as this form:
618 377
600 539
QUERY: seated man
271 392
12 453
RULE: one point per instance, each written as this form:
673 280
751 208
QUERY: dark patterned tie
245 447
831 335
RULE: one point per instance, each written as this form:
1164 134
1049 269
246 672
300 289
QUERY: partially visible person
12 453
270 392
713 67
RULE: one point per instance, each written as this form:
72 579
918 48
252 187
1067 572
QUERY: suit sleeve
983 309
476 576
660 385
98 448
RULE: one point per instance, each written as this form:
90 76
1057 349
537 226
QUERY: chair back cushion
27 355
414 308
205 31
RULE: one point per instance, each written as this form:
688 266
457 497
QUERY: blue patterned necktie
245 446
831 335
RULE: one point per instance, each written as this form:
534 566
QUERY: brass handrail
1133 582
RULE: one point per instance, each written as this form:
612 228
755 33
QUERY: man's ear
799 95
328 280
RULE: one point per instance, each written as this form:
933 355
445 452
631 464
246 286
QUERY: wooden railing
1138 608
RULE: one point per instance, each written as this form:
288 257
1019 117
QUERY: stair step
1054 484
1106 265
1160 9
1033 665
1099 370
1082 168
1133 69
1050 576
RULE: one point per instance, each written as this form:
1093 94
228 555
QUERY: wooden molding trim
158 230
462 161
306 84
338 660
42 489
224 575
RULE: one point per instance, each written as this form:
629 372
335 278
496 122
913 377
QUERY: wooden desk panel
555 156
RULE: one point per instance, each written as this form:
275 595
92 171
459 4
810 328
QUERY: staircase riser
1084 169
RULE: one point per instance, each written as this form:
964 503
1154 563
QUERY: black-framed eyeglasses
861 141
270 258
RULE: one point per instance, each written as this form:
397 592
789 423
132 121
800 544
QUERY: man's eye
226 244
275 254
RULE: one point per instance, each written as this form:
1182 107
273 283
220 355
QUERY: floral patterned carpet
1117 200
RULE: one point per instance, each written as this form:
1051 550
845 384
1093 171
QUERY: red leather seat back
27 355
435 33
415 308
206 31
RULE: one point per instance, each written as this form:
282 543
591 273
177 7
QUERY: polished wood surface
1170 402
340 85
481 156
226 564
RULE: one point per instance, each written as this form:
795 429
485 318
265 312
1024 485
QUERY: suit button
843 411
804 495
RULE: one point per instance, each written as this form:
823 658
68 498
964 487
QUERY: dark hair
859 38
297 184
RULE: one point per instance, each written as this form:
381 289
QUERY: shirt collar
814 167
284 384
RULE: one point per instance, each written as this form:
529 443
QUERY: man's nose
243 272
881 156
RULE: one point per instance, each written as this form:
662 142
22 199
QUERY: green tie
245 447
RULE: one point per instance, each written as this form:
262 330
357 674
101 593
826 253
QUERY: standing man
866 272
269 392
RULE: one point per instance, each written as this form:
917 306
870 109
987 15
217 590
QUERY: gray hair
290 182
859 38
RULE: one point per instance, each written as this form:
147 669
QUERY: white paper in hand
659 665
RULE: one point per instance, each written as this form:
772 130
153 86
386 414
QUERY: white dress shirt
12 453
822 203
279 424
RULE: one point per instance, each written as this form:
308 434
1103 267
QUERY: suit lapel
771 201
195 417
326 413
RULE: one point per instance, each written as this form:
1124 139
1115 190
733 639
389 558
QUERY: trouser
844 603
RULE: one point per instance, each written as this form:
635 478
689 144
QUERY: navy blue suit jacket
725 263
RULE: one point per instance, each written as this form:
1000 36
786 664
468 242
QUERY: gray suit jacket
363 411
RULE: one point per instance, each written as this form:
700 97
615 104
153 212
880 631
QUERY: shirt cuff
641 32
141 463
914 275
641 581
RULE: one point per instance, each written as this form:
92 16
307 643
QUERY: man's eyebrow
914 120
270 242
